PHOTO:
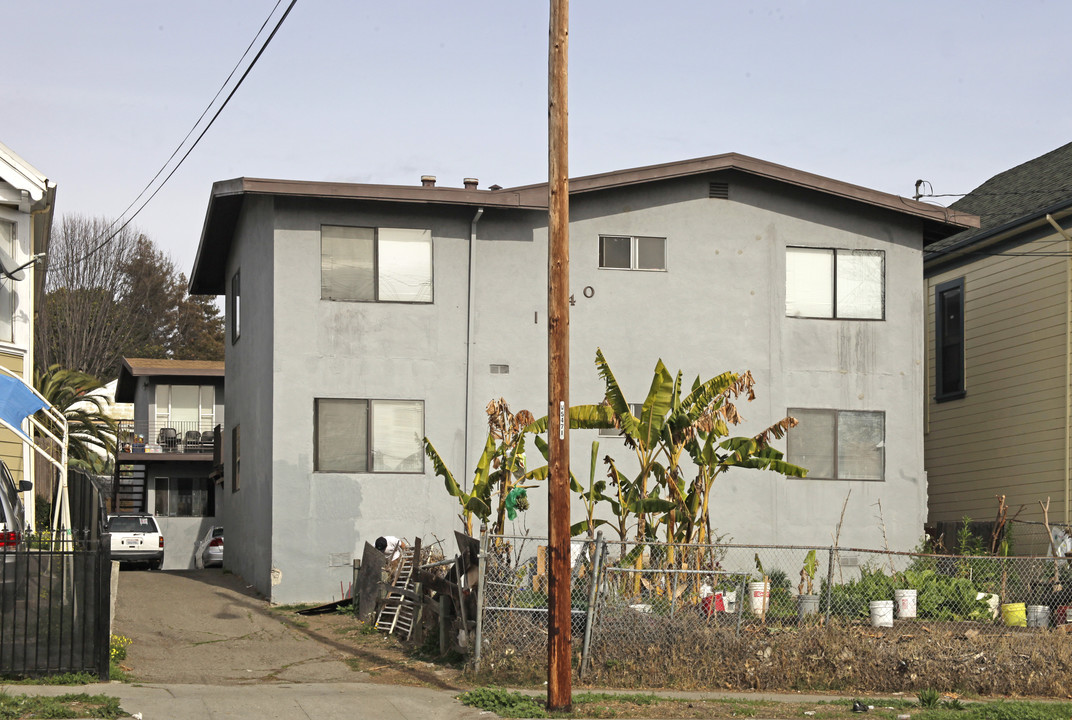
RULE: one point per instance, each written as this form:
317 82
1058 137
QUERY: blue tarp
18 402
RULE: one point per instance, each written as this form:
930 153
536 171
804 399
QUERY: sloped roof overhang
134 368
225 201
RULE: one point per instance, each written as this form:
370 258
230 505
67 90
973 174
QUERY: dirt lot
207 626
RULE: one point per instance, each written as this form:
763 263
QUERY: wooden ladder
400 611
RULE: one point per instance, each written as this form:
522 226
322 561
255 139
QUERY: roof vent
719 190
470 183
495 187
427 180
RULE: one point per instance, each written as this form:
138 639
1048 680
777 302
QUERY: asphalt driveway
207 627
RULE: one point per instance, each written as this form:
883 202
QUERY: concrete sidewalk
291 701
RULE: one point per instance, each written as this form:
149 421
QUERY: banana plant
498 471
477 500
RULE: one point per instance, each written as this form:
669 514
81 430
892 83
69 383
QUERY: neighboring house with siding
363 317
999 412
166 453
27 199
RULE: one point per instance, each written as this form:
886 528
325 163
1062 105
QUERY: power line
252 63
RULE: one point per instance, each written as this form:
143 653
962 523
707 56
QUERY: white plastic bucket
759 595
881 613
905 600
1038 616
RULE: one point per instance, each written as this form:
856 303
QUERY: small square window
634 408
628 252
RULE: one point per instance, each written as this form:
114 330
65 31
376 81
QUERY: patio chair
191 441
168 439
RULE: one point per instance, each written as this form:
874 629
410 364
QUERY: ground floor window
185 497
838 444
357 435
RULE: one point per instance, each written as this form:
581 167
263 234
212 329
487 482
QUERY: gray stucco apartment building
363 317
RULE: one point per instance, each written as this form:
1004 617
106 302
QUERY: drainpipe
469 344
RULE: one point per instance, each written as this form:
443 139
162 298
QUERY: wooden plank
369 582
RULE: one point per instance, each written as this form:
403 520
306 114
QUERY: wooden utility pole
559 695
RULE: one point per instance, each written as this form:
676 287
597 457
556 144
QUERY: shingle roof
1014 195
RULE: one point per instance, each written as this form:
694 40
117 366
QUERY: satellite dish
8 268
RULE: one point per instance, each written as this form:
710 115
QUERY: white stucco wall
719 306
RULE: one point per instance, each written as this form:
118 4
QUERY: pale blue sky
97 94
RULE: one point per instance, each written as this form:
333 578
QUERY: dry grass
969 659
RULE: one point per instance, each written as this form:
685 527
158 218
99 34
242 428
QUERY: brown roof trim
759 168
361 191
133 368
225 201
152 366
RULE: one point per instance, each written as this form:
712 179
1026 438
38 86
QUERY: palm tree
91 433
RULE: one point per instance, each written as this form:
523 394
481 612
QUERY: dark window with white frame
838 444
632 252
360 436
949 340
364 264
184 497
236 307
634 408
835 283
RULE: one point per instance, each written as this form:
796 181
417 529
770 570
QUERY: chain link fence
691 602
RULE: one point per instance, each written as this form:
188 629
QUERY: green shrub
504 703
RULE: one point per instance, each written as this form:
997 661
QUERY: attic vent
718 190
500 369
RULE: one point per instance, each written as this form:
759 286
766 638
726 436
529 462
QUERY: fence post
829 582
482 567
597 559
741 589
104 606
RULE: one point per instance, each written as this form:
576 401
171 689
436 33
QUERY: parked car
136 537
12 515
12 523
211 547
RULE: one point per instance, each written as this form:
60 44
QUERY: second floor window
365 264
8 235
236 307
185 408
949 340
629 252
835 283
